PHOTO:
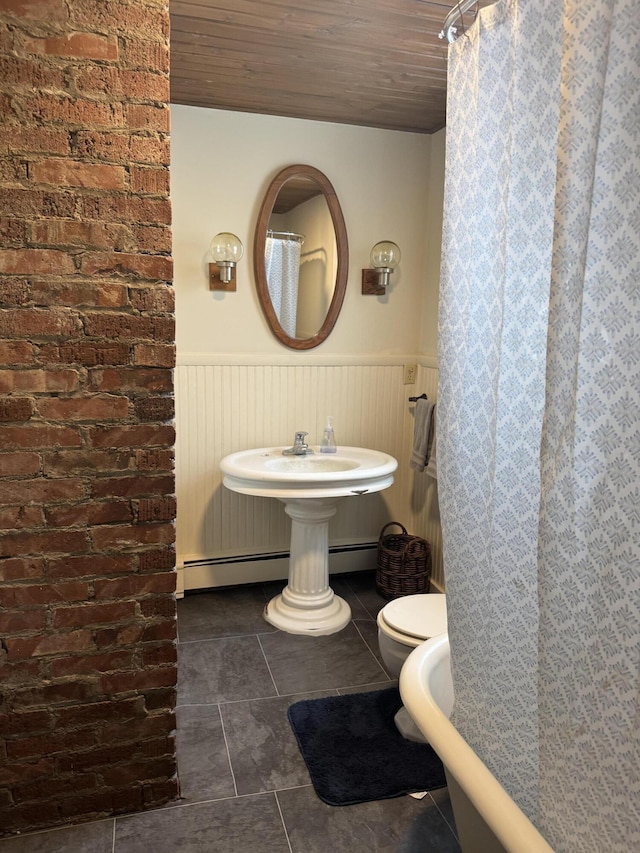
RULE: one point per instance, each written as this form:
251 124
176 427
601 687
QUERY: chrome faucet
300 446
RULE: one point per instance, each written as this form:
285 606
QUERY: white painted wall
222 164
232 371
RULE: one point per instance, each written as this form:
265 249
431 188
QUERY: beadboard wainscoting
228 403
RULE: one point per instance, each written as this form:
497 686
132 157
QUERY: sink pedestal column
308 605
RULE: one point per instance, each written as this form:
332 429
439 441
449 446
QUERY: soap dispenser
328 443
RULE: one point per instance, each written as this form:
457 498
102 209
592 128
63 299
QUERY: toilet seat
414 617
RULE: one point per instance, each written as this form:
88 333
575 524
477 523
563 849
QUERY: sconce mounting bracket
370 286
216 283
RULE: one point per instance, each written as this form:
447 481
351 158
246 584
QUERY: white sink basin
310 486
268 473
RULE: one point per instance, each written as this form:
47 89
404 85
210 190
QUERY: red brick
120 147
157 509
131 379
89 565
16 352
135 585
154 460
151 238
14 409
67 232
99 713
50 542
82 515
21 568
114 661
161 606
154 211
167 653
41 490
29 595
38 380
35 435
155 355
123 84
143 435
157 560
143 117
44 789
154 408
149 181
15 73
12 232
65 462
129 635
72 112
36 323
71 173
160 700
123 774
38 261
18 202
21 673
16 464
81 45
17 621
160 631
38 10
137 53
79 293
87 353
29 722
123 263
53 694
135 485
127 536
13 772
48 644
14 517
90 408
93 614
124 682
33 140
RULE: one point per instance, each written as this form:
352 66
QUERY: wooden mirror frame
342 247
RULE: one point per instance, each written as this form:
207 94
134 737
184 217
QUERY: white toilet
403 624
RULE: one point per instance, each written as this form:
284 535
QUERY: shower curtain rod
449 29
285 235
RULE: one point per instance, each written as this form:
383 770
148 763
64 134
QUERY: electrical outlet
410 374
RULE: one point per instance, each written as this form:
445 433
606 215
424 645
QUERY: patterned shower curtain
539 409
282 261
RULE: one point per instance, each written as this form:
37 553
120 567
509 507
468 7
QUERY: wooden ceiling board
377 63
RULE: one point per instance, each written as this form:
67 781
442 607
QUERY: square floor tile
237 825
203 760
224 670
399 825
263 748
363 585
94 837
222 613
301 664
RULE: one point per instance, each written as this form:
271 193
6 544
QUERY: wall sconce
226 251
385 257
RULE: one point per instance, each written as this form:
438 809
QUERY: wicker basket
404 563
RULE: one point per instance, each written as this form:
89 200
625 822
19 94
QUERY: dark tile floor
245 787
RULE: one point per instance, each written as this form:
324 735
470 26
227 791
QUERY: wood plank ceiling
377 63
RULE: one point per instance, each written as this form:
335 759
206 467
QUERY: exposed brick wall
87 607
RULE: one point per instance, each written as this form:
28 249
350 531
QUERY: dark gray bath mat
354 753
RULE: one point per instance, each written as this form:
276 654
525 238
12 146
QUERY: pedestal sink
310 486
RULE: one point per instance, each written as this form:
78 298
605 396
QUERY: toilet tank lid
423 615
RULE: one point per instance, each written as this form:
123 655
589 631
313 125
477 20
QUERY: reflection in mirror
300 257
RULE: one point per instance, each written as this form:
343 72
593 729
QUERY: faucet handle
300 436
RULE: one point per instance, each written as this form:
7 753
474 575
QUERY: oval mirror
301 257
